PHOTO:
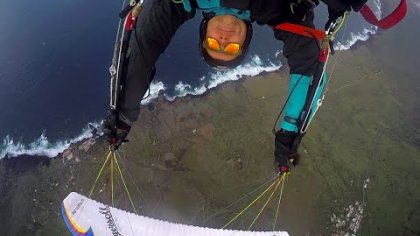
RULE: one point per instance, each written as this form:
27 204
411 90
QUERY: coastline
50 147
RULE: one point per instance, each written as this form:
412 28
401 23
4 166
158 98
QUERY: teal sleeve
298 89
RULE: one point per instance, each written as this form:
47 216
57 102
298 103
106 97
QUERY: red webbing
301 30
389 21
129 22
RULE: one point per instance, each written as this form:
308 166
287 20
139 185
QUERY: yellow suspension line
112 177
332 36
278 204
268 200
252 203
100 172
125 186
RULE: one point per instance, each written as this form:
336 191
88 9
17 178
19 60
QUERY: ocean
54 60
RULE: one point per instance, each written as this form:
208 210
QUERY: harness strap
117 67
389 21
301 30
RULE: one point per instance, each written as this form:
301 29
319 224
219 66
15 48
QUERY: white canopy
84 216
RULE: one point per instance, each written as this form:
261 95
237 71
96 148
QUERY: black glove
115 131
300 8
285 152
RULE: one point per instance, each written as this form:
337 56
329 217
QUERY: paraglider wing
84 216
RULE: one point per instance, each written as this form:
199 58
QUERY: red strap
389 21
301 30
129 22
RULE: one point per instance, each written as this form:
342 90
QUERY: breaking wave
355 37
43 147
153 92
252 68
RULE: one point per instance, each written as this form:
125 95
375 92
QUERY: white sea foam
182 89
41 146
376 7
416 4
253 68
355 37
153 92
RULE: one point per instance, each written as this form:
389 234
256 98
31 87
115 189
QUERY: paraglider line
112 178
251 204
337 56
266 202
122 156
125 185
340 24
278 204
240 199
100 172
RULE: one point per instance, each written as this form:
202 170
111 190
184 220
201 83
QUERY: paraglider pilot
225 33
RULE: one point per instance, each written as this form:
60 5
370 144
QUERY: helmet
220 64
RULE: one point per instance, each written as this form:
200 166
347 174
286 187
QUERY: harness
216 7
128 15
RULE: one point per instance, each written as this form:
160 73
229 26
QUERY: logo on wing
109 220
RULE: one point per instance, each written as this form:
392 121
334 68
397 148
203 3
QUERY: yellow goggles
214 45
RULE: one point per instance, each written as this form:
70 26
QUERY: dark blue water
54 60
54 56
